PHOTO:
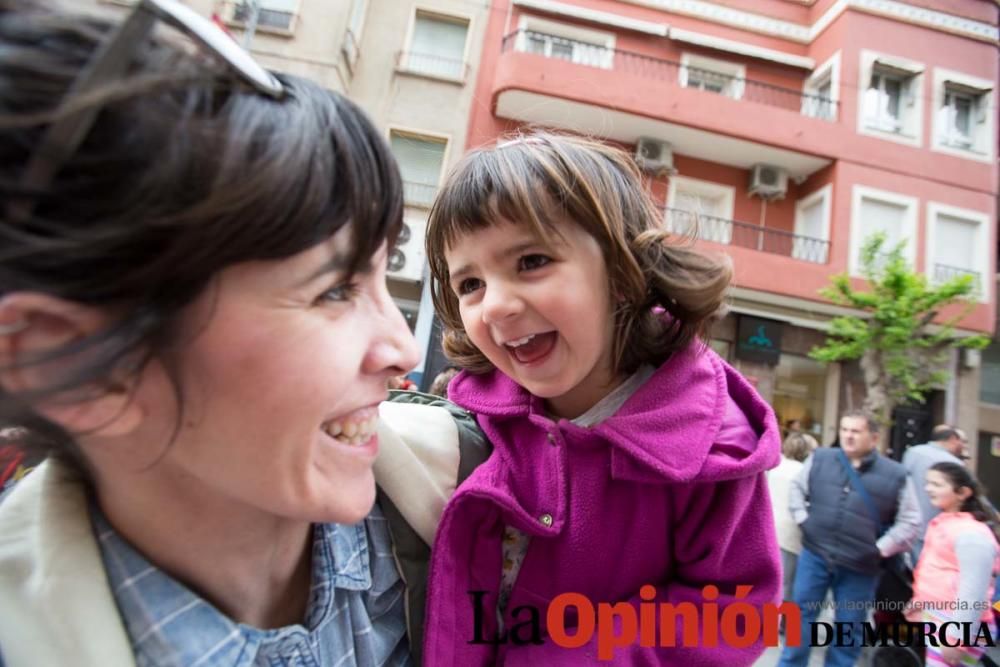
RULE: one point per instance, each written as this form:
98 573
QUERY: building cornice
734 46
805 34
595 16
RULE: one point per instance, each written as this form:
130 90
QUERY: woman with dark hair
953 581
195 327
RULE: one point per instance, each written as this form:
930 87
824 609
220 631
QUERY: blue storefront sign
759 340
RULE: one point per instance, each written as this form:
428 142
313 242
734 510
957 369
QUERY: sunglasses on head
111 61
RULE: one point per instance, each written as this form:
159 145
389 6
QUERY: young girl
957 564
194 324
629 461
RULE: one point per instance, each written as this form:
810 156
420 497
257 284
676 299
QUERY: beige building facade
411 66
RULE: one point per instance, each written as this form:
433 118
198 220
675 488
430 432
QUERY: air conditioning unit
406 260
654 156
768 181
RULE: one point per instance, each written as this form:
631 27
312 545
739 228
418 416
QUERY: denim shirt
355 614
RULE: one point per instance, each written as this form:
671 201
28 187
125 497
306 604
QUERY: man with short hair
844 537
947 445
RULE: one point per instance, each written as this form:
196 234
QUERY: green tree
901 351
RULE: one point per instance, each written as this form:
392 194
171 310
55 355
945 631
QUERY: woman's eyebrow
335 264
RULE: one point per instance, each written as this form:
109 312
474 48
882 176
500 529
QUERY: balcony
419 195
630 63
239 13
431 65
745 235
621 95
943 273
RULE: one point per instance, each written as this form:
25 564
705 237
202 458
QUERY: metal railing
944 273
628 62
419 194
266 18
432 65
745 235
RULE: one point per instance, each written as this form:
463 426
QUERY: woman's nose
394 350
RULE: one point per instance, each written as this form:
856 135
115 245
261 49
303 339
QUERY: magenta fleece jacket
670 492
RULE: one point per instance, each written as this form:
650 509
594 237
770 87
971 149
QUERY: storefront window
800 394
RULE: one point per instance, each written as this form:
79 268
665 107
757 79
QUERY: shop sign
759 340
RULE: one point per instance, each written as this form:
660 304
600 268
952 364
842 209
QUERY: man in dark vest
847 531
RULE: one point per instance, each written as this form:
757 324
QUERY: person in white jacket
795 449
195 328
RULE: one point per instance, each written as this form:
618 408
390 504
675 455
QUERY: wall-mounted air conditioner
768 181
654 156
406 261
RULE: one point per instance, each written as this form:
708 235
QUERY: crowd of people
849 518
197 344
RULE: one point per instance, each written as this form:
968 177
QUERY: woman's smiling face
285 364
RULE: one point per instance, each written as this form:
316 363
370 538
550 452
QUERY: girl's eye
468 286
340 293
529 262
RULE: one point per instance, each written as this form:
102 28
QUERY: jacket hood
695 419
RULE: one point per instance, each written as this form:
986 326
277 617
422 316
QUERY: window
957 245
962 123
700 206
565 42
711 75
882 102
891 105
800 392
820 94
355 27
892 214
274 14
437 46
420 160
989 379
812 227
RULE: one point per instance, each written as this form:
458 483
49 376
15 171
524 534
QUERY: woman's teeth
352 431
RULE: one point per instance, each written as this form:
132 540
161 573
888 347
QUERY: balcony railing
419 194
944 273
431 64
628 62
745 235
238 12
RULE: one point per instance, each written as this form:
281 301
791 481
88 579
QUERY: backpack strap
427 447
866 497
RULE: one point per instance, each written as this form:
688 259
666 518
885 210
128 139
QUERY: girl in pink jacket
953 581
628 471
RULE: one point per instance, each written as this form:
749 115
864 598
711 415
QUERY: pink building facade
791 131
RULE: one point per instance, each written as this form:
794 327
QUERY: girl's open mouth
533 348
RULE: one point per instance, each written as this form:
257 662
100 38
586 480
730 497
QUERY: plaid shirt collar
168 624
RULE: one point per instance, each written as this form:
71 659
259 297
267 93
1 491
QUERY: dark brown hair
958 476
184 173
541 178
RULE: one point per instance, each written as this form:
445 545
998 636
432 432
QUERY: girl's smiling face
942 494
539 311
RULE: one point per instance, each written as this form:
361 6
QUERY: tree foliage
902 352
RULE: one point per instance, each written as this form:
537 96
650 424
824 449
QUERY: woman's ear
34 325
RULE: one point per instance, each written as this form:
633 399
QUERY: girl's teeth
350 429
521 341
